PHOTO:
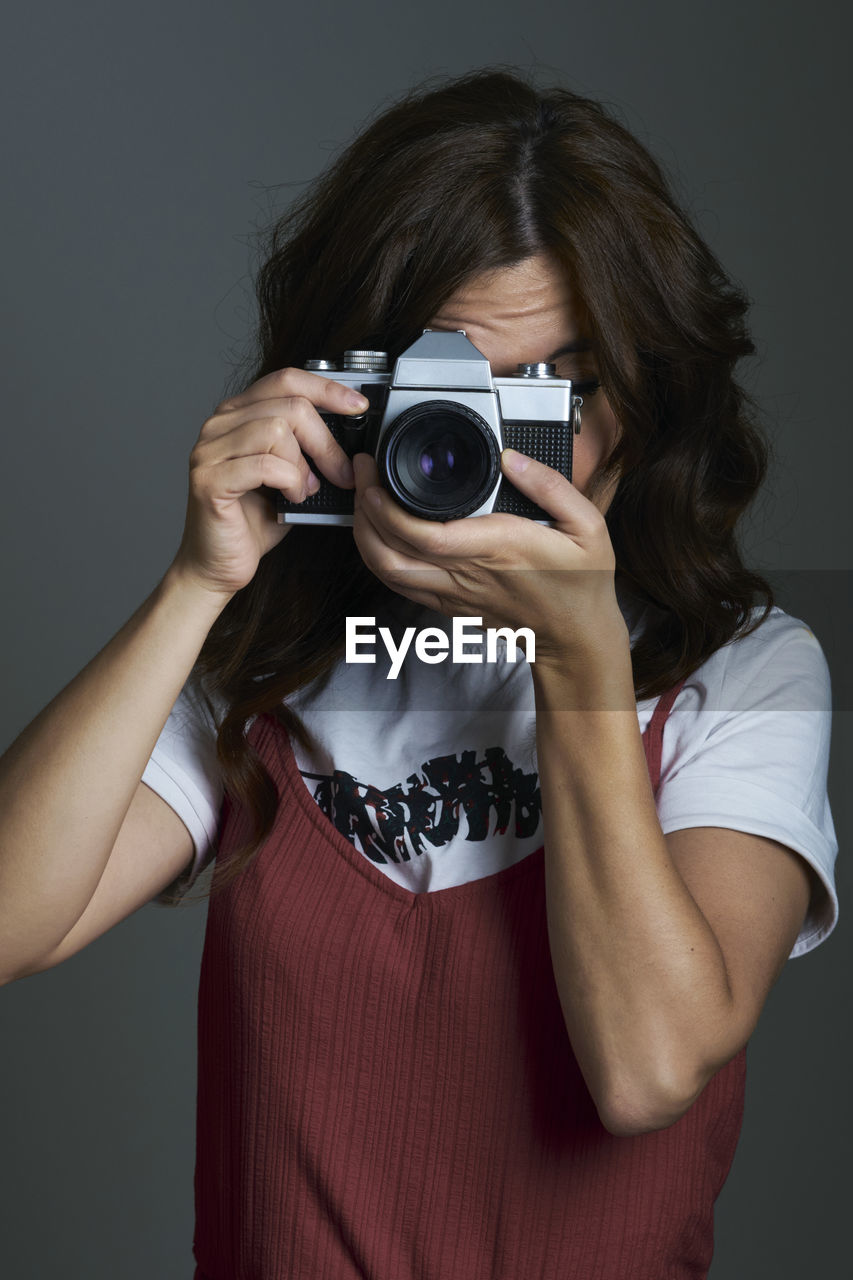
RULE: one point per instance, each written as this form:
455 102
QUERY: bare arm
664 947
72 803
153 847
67 782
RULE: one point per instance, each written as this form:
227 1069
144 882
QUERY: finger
291 416
371 501
556 495
415 538
250 439
268 434
227 481
452 543
332 396
366 471
367 512
406 574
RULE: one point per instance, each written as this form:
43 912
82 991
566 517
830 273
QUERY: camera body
436 428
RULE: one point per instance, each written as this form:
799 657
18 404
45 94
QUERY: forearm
640 974
67 781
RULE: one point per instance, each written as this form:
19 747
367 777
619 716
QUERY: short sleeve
746 747
183 771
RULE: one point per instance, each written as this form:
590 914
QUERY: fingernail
357 401
514 461
313 483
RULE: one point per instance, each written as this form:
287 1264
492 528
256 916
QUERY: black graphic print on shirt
427 808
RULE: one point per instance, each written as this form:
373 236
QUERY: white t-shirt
433 776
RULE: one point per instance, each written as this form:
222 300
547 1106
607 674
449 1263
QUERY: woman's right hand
254 439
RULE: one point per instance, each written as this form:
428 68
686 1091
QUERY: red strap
654 732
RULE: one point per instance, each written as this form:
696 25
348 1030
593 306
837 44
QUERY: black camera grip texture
547 442
328 498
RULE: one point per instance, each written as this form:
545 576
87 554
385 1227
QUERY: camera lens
440 460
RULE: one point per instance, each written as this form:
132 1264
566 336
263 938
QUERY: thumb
547 487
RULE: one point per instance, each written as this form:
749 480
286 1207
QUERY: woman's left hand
508 570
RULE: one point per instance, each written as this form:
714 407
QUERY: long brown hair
459 178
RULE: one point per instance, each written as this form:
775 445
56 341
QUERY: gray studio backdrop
143 145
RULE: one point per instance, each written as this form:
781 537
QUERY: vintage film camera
436 427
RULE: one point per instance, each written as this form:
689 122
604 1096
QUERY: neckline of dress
361 864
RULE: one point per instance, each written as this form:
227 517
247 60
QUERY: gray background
143 143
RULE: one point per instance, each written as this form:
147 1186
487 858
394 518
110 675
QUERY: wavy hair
458 178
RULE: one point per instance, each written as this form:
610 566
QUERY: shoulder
183 768
770 684
779 665
746 747
186 746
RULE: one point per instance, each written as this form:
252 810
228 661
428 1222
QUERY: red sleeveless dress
387 1091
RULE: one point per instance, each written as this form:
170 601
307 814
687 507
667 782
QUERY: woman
485 942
